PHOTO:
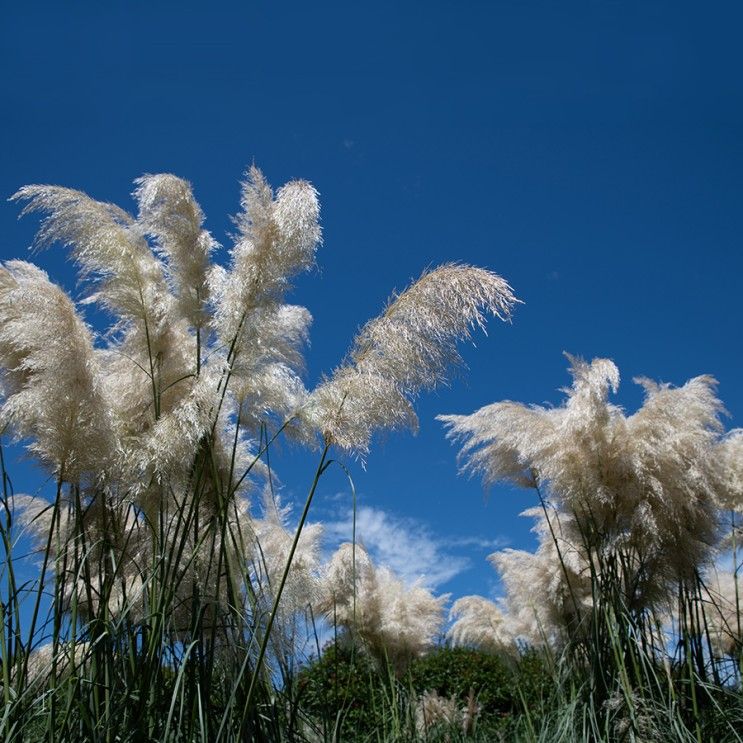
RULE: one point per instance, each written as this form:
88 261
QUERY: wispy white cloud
404 545
480 543
408 546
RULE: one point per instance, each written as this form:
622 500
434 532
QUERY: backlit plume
408 348
722 603
273 540
393 622
53 392
480 623
635 498
169 213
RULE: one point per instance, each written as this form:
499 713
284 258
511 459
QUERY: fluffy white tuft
408 348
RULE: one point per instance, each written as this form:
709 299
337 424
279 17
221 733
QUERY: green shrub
501 687
454 671
343 691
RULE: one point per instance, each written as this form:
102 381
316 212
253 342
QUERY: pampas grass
627 584
168 606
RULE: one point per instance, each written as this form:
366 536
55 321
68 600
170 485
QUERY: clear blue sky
590 152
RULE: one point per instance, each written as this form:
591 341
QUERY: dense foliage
345 692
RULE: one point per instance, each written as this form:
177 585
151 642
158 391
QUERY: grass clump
170 603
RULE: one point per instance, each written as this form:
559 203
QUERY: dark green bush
454 671
343 690
501 687
347 695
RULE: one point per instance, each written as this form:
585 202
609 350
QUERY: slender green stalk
322 466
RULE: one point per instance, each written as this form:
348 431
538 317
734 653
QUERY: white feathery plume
673 498
546 593
296 213
276 240
346 568
411 619
263 337
170 214
174 439
481 624
34 515
86 539
65 657
392 621
265 379
109 249
406 349
214 499
141 408
274 390
540 605
722 597
129 421
154 349
511 441
647 483
729 454
53 390
273 542
433 710
348 408
147 381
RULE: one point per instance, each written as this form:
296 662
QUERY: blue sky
590 152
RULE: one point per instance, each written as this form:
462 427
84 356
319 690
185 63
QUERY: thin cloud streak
407 546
